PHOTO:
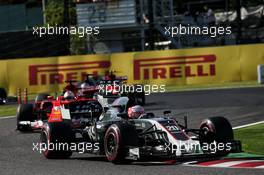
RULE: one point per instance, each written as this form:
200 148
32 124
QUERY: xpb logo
174 67
57 73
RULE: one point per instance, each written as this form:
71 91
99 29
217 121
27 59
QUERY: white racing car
145 138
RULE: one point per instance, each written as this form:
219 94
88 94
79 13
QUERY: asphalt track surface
240 106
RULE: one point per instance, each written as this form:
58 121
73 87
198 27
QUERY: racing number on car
97 13
172 128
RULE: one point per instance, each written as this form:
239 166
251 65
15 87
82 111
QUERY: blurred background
125 25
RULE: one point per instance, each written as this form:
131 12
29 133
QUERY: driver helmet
135 112
84 86
68 95
70 87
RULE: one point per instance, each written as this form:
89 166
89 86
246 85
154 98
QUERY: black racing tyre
56 139
3 96
40 97
216 129
3 93
118 136
24 113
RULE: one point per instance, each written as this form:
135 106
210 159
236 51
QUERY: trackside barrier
168 67
260 74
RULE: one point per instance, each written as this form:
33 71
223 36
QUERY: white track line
251 124
7 117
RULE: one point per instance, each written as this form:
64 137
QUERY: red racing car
45 108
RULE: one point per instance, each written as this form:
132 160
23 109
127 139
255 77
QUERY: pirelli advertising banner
170 67
49 74
197 66
250 57
190 66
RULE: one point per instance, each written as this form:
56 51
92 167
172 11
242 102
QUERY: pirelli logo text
175 67
58 73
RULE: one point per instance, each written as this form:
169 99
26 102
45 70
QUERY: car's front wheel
24 114
218 130
118 136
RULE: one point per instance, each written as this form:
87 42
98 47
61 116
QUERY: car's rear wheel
216 129
118 136
56 139
24 114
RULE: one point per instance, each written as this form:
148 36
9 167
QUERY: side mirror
122 115
150 114
185 121
166 112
